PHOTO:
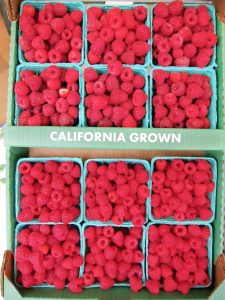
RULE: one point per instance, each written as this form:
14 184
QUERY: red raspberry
135 284
176 8
29 10
90 74
34 121
25 45
45 31
76 285
41 56
140 13
98 46
25 215
190 50
114 68
143 32
164 59
106 283
34 82
59 9
128 57
140 48
169 284
153 286
21 88
199 39
118 47
129 122
161 10
202 60
177 22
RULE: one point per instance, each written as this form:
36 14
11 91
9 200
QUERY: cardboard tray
214 292
41 136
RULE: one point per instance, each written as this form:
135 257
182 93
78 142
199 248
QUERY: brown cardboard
220 269
6 269
12 7
220 9
89 153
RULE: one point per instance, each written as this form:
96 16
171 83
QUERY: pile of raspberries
49 192
181 189
117 34
117 192
177 258
113 255
181 100
52 34
49 98
49 255
182 36
116 98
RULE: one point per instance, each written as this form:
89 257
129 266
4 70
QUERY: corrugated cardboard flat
91 153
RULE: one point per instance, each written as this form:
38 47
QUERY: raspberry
140 48
98 46
21 88
143 33
106 283
190 50
59 9
41 56
135 284
140 13
199 39
153 286
114 68
90 74
25 215
129 122
176 8
164 59
118 47
161 10
169 284
202 60
76 285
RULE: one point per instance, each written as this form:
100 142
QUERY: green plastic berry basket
106 8
209 247
71 6
37 68
77 161
211 196
18 228
141 245
101 69
212 12
212 114
104 161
